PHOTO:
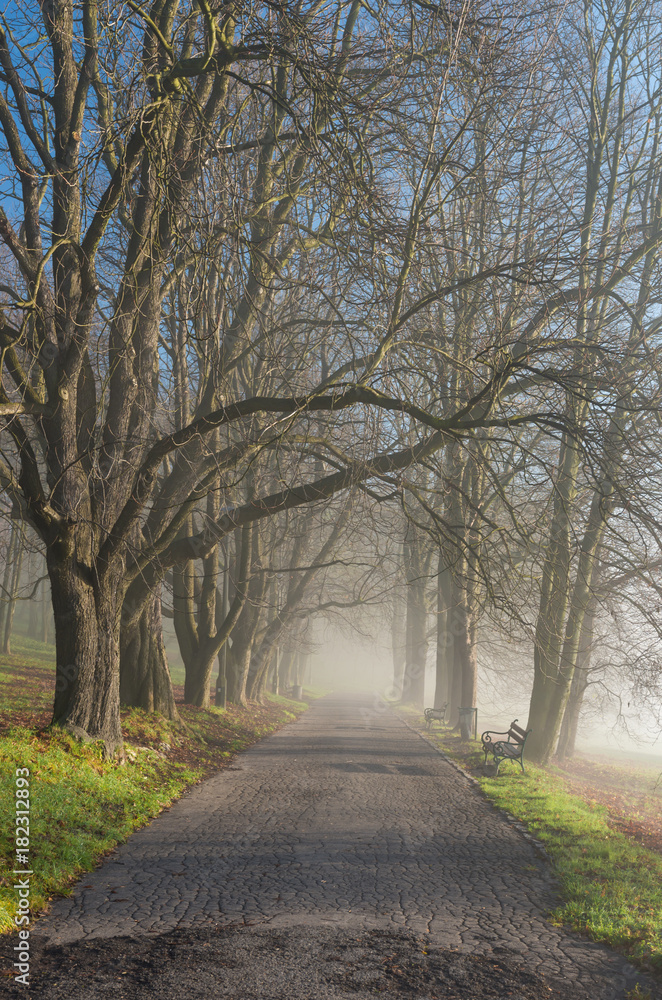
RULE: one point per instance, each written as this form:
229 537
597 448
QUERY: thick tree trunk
6 580
192 635
46 611
549 632
456 683
87 620
444 636
261 663
286 664
580 599
300 676
413 689
33 610
200 624
468 666
398 630
183 611
459 648
12 596
144 675
554 598
197 684
570 724
239 658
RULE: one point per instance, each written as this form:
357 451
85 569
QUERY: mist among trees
318 310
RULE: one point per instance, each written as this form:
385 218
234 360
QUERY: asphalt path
341 856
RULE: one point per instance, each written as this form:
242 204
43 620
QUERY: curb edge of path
519 826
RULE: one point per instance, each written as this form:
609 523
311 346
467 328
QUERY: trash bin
468 721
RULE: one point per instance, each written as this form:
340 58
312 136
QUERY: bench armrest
489 733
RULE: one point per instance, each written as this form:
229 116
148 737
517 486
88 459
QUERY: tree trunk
545 745
197 685
570 724
200 624
33 611
413 691
46 605
243 634
398 630
460 656
183 612
6 579
444 636
416 628
261 662
15 581
456 682
87 620
200 666
287 659
144 675
549 631
298 587
468 668
239 659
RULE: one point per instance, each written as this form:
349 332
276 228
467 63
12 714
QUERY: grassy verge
82 806
611 886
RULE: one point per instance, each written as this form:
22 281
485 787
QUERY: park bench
435 715
512 748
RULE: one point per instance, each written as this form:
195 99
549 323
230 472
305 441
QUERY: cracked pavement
345 822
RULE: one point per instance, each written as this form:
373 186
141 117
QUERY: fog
346 661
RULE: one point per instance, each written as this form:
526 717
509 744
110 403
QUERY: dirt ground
631 794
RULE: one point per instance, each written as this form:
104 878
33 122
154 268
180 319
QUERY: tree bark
416 629
444 656
570 724
14 584
580 598
468 667
87 623
398 630
549 630
239 658
6 580
144 675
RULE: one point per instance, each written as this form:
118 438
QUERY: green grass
32 650
316 692
611 887
81 806
27 676
279 699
